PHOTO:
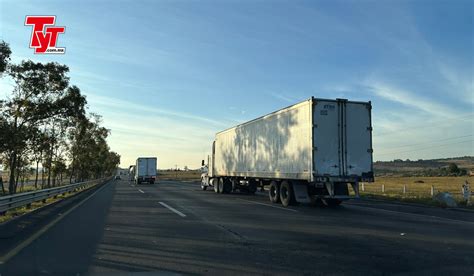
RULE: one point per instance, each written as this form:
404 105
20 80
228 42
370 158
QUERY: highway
175 228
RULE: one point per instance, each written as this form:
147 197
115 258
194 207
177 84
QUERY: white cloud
175 137
460 83
411 99
117 103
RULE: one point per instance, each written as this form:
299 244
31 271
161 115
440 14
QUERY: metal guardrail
24 199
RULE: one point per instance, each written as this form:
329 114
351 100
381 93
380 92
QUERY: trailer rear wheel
274 192
287 196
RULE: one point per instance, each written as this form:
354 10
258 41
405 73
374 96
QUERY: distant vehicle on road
117 177
145 170
307 152
131 172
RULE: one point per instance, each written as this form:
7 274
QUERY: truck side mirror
202 163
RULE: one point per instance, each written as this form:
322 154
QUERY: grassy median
180 175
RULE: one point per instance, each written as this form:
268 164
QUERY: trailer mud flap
301 193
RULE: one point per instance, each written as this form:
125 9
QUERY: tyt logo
45 35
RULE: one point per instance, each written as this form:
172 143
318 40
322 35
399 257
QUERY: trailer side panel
277 145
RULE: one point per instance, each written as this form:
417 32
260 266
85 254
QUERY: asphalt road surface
175 228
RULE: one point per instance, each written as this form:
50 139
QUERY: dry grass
35 205
28 188
180 175
418 189
19 190
417 185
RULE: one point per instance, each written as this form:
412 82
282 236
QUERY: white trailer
145 170
313 150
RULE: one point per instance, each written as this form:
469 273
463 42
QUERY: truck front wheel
216 184
203 185
274 192
287 196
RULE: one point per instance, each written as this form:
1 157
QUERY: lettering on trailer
326 108
330 107
44 35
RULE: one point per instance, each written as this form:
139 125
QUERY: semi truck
145 170
317 150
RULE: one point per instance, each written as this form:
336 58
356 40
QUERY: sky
167 75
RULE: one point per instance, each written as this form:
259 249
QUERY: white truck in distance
307 152
145 170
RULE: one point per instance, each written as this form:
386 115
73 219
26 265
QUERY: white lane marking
172 209
141 191
264 204
410 214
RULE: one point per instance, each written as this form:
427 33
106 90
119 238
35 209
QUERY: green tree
33 101
39 146
45 121
5 53
453 168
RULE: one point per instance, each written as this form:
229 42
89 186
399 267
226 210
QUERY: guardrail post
404 188
363 187
432 190
383 188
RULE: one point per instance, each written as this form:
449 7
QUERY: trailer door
358 144
151 166
141 166
326 138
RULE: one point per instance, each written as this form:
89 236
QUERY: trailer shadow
275 145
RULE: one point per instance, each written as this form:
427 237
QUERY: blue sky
167 75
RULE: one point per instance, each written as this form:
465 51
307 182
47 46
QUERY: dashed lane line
172 209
